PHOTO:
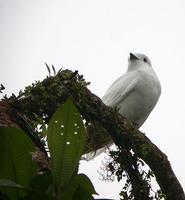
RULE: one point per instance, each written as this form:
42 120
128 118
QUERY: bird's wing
120 89
116 93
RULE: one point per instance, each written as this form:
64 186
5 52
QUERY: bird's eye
144 59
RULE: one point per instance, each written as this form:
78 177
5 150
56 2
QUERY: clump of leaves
42 98
37 102
19 177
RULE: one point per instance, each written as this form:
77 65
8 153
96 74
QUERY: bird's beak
133 57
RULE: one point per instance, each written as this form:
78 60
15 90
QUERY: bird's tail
98 140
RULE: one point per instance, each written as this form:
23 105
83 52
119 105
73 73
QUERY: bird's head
139 58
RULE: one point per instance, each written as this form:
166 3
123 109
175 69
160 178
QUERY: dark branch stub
2 88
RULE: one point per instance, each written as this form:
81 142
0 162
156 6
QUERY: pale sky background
95 37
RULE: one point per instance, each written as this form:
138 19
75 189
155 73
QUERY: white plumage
135 93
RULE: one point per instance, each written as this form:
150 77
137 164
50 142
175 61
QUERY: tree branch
124 134
43 98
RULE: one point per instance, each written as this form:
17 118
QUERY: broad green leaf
81 194
12 189
31 194
15 158
43 182
79 188
85 183
4 183
66 141
70 189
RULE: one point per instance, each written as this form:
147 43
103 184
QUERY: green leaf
81 194
85 183
69 189
43 182
79 188
66 141
31 194
4 183
15 158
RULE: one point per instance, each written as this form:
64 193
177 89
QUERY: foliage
32 110
15 158
41 99
138 179
22 178
66 141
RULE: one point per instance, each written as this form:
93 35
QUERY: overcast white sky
95 37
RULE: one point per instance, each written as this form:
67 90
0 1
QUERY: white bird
135 93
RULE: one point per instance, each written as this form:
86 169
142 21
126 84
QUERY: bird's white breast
135 94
